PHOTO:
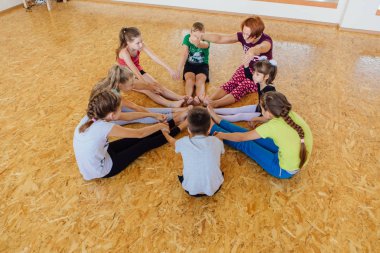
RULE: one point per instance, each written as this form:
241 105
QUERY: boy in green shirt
194 63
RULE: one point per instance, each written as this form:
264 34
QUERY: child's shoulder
186 38
214 139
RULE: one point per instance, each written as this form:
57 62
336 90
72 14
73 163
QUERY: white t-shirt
201 163
90 148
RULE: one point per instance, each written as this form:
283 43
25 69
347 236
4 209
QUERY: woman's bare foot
213 115
177 104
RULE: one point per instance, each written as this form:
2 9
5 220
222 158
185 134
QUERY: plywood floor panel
49 63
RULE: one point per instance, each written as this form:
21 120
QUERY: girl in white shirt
96 157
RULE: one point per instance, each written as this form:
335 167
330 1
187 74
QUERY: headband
273 62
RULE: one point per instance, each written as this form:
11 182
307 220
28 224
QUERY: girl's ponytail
101 103
301 134
116 75
126 35
272 71
279 106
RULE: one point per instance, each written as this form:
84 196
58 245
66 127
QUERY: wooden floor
50 61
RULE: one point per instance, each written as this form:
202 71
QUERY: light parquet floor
50 61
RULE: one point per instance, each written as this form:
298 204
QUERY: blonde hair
116 75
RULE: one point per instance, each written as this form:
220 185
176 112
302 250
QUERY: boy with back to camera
201 155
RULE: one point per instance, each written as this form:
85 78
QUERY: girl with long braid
121 79
96 157
281 146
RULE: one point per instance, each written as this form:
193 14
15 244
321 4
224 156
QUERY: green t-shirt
196 55
287 140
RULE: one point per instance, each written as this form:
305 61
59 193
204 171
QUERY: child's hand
217 135
174 74
246 59
164 127
195 40
253 123
160 117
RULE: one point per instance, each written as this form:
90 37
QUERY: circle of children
280 142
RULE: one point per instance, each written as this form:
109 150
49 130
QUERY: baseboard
358 31
9 4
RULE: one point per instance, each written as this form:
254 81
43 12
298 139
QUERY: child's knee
236 95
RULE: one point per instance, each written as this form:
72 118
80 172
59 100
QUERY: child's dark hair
100 104
126 34
198 26
199 121
116 75
267 68
277 104
255 24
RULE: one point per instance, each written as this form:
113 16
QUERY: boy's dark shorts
196 69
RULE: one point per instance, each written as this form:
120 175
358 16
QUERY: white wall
6 4
289 11
361 14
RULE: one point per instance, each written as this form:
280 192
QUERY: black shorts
142 72
196 69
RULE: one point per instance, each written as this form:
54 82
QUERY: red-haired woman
255 44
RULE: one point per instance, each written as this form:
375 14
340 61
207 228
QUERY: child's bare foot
213 115
197 101
190 100
205 100
181 116
176 104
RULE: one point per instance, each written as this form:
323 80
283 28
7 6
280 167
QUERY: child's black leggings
124 151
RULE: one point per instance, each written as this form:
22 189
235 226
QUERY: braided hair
116 75
277 104
101 103
126 34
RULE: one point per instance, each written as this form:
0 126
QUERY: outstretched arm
123 132
127 58
262 48
220 38
169 138
257 120
238 137
199 43
159 61
184 55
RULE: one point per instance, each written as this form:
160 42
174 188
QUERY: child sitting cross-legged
201 155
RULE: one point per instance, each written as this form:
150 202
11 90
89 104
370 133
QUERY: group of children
281 144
